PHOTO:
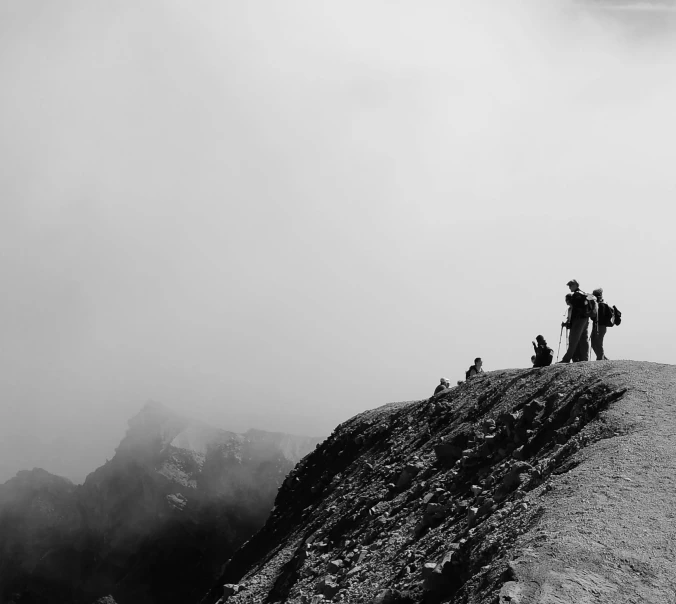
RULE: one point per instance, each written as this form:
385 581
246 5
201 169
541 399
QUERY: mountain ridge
521 486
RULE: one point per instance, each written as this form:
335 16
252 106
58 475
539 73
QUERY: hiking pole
559 350
563 324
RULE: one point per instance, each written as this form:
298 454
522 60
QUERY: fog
276 215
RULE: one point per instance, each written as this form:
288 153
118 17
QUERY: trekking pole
559 350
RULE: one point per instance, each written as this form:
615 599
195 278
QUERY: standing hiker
543 354
607 316
475 369
598 330
581 309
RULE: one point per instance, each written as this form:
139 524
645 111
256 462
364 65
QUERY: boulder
407 475
444 576
328 587
388 596
230 589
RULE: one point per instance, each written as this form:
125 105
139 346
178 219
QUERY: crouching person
544 355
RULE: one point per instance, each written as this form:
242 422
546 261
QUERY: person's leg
597 342
583 345
579 352
601 355
576 329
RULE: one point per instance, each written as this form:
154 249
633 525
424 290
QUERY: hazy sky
279 214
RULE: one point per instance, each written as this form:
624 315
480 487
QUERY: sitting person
443 384
475 369
543 354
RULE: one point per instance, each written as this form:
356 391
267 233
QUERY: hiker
443 384
475 369
569 301
606 318
543 354
577 323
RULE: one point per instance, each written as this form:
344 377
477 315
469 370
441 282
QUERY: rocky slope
553 485
155 523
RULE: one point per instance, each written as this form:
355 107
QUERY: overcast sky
279 214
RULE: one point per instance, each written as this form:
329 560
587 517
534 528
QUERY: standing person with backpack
599 330
582 308
607 316
543 354
475 369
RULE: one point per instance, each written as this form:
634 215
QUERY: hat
540 339
573 282
598 291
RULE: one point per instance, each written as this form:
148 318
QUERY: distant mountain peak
177 489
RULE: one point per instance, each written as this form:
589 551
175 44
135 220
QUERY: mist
278 215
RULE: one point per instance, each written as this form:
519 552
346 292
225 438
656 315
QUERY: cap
573 282
598 291
540 339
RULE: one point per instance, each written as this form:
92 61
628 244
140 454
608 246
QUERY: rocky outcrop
155 523
519 486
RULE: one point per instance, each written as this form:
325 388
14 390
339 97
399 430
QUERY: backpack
618 315
606 315
468 373
609 316
589 308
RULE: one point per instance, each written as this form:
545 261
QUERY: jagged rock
519 453
444 574
388 596
328 587
447 454
354 571
407 475
230 589
428 569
